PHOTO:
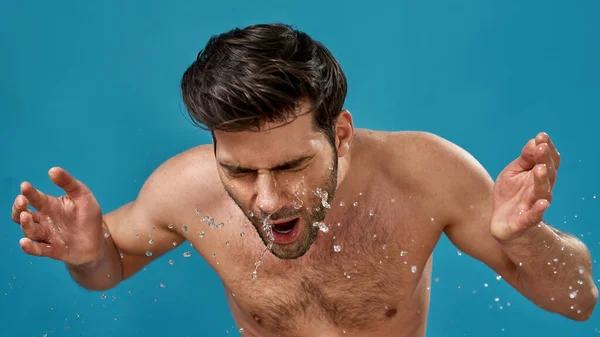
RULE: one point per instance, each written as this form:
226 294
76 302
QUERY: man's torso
368 275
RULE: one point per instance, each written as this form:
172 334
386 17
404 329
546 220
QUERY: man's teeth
282 231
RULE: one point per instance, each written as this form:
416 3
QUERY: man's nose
268 194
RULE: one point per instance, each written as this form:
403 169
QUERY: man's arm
139 232
551 269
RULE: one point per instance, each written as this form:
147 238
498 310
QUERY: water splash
298 203
211 222
323 195
337 248
322 226
269 229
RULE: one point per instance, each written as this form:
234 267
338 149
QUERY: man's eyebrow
283 166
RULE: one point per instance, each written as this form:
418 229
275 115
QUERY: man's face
284 177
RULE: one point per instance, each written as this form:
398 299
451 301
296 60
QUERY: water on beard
323 195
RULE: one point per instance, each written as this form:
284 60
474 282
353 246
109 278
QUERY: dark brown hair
261 74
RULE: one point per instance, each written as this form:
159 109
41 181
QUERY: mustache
279 215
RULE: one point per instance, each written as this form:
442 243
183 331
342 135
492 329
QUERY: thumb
73 187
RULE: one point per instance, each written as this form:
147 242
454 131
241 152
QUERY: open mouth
286 232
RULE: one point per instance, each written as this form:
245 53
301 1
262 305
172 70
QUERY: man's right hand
68 228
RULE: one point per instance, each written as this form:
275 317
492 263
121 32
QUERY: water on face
323 195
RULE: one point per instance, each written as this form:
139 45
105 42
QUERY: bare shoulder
429 165
421 153
186 181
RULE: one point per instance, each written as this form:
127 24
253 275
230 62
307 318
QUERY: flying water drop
322 226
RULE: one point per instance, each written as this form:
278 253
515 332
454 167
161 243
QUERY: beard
313 211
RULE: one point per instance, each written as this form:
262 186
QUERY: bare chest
353 283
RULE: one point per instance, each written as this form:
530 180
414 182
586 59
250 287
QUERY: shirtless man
349 217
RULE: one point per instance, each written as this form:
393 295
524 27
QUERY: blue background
93 87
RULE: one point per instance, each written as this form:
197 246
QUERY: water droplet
355 203
171 262
162 285
202 235
151 241
573 294
342 204
227 243
496 299
580 270
170 226
403 253
520 264
413 269
432 219
250 214
148 253
241 330
337 248
121 255
323 195
393 200
298 203
485 285
106 234
184 228
322 226
594 197
330 168
103 296
499 277
384 246
187 254
459 253
371 212
174 243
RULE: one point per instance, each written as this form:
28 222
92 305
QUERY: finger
544 157
527 160
535 214
543 137
542 186
64 180
36 198
35 248
20 205
31 229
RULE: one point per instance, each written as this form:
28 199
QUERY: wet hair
245 78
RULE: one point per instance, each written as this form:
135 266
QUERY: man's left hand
523 190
